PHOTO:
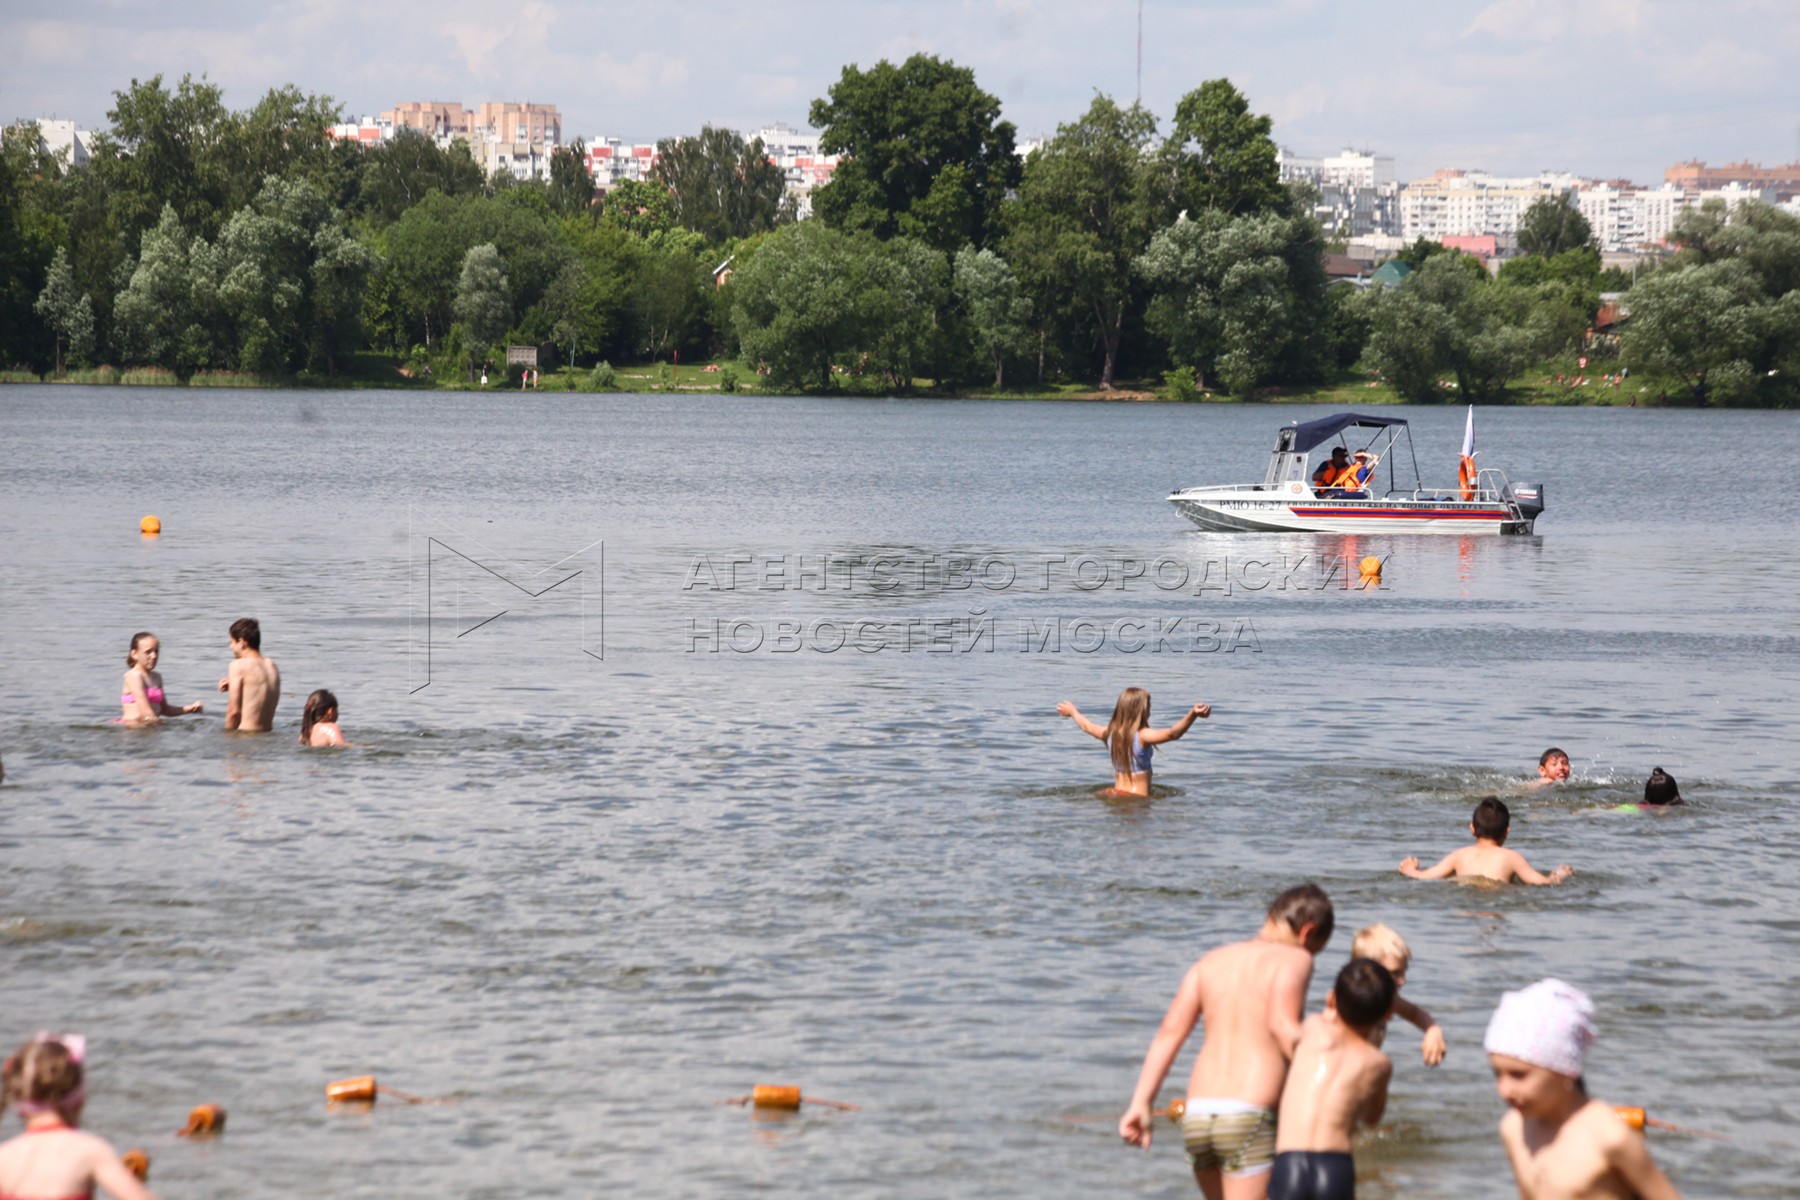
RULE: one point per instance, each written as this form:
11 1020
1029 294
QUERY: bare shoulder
1601 1122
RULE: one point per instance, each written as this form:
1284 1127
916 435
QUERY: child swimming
1560 1141
53 1157
1130 739
318 721
1488 858
142 689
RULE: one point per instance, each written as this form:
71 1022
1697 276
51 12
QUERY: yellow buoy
150 524
138 1163
1370 567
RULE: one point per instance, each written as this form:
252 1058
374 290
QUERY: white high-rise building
1625 216
61 137
1357 192
1455 203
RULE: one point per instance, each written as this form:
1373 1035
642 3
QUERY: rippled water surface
623 834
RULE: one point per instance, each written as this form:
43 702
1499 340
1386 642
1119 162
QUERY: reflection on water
593 897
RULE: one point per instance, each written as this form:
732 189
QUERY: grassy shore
1351 389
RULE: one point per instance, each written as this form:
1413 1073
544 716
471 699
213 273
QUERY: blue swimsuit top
1140 756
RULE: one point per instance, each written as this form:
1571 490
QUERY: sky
1602 88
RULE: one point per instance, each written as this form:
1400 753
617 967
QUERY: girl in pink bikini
53 1159
143 690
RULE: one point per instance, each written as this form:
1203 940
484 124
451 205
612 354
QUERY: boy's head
1385 947
1491 820
247 631
1660 788
1363 994
1304 911
1553 765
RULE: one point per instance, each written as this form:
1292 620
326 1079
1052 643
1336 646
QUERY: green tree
400 171
999 316
813 297
1241 299
571 188
25 252
1084 213
640 208
1552 224
166 149
721 186
483 301
927 155
668 296
288 134
1411 341
167 315
1703 324
69 316
1219 154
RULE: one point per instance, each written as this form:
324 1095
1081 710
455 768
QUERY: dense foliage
197 238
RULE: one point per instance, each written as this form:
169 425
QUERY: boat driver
1331 468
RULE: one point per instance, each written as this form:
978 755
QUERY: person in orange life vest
1359 473
1331 468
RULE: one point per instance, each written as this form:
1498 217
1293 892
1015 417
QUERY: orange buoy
138 1163
1177 1109
150 525
362 1087
765 1095
1632 1115
205 1121
1370 567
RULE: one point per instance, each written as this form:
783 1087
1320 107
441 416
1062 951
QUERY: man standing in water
252 681
1250 995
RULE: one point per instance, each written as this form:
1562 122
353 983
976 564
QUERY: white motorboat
1286 501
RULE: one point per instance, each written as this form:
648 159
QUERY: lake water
622 835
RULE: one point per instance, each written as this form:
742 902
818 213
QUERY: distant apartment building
1456 203
1695 177
1625 216
1358 194
801 163
612 160
62 138
502 135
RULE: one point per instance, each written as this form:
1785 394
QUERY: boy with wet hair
252 681
1488 858
1251 995
1660 790
1339 1080
1553 766
1391 951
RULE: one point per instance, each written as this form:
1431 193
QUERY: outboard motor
1529 497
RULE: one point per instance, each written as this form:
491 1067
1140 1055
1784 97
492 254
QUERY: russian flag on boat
1465 472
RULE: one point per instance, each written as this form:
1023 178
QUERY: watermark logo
916 574
458 586
974 633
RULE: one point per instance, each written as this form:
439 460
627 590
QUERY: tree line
198 238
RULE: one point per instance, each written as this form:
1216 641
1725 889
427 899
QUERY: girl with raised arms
1131 740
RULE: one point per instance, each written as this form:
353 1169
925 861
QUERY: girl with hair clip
54 1159
142 691
318 721
1131 740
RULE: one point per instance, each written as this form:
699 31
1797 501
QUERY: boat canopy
1304 435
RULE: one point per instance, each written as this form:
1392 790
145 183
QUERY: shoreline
646 380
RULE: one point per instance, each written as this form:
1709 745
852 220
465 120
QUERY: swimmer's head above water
1553 766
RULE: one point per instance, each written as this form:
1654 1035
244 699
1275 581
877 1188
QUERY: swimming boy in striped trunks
1251 996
